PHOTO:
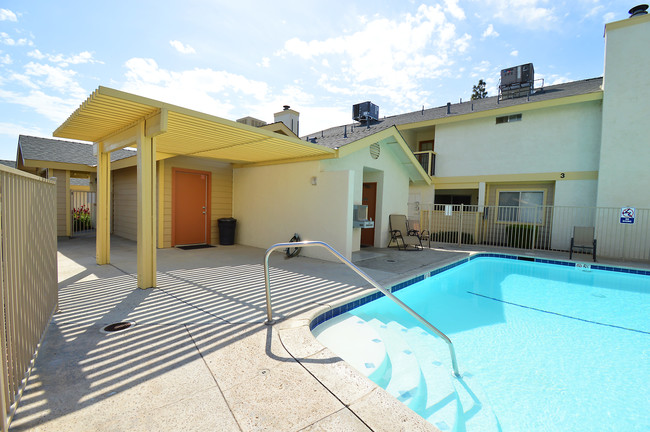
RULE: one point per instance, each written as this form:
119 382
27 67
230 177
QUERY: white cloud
452 7
608 17
13 129
54 108
6 59
55 78
65 61
266 62
514 53
204 90
404 50
529 14
7 15
181 48
490 32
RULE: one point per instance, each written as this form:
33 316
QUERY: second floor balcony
428 161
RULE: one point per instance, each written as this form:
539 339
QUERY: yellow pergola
113 120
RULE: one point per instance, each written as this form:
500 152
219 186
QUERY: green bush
452 237
81 218
523 236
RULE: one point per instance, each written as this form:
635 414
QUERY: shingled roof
54 150
336 137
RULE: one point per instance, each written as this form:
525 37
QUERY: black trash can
226 231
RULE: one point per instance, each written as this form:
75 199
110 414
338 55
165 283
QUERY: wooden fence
28 273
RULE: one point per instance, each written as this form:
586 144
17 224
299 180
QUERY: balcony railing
428 161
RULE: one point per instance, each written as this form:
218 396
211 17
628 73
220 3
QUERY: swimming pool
541 347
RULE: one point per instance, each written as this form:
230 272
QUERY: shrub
523 236
81 218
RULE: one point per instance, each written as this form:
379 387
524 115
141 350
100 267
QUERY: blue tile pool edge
343 308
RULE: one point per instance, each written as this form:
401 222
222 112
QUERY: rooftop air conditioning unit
365 111
518 74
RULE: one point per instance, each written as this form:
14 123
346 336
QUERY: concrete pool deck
199 356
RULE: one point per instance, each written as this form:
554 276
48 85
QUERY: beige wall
124 202
625 154
392 186
62 201
556 139
271 203
222 192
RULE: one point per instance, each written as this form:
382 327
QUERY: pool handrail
357 270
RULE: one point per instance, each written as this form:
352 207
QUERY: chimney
289 117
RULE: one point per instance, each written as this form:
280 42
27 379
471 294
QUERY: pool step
473 410
356 342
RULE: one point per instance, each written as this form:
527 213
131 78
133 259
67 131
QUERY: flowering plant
81 218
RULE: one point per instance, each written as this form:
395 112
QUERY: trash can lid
228 219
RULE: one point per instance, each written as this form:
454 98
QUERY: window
508 119
426 145
521 206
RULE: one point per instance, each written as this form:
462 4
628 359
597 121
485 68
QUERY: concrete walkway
199 357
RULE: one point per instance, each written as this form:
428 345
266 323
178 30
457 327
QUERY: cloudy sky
234 59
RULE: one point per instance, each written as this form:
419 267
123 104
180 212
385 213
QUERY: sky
236 59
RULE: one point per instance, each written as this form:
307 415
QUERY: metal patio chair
400 232
583 238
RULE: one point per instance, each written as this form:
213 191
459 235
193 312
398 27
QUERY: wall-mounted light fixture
314 181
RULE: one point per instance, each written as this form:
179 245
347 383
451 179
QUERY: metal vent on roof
641 9
365 111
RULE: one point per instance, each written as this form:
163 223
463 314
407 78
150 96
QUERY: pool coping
368 401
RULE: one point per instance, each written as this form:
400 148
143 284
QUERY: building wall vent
641 9
365 111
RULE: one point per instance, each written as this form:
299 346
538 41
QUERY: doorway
190 207
369 198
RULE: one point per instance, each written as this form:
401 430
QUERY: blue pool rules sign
627 215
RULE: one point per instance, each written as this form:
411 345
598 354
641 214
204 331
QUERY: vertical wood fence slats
28 276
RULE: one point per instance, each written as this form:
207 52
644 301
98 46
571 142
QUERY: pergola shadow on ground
198 356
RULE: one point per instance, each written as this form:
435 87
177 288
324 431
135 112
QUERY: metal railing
83 211
28 278
357 270
537 227
427 159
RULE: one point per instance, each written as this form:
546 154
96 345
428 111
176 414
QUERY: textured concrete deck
199 357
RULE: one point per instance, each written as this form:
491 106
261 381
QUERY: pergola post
103 220
146 208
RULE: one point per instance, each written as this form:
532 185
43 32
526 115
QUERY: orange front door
190 207
369 198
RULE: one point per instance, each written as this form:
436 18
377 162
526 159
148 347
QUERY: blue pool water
541 347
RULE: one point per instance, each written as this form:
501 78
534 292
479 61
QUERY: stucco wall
576 193
271 203
392 186
625 155
125 200
557 139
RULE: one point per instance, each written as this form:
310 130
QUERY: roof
340 136
10 164
54 150
112 117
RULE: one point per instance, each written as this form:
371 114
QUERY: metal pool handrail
357 270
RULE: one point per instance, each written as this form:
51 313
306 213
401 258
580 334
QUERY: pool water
540 347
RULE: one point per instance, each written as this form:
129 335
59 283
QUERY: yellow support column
103 238
161 204
68 219
146 209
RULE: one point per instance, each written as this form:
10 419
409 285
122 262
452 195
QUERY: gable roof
343 135
8 163
54 150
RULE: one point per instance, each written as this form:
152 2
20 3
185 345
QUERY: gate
83 212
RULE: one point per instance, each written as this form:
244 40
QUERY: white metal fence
538 227
28 276
84 205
